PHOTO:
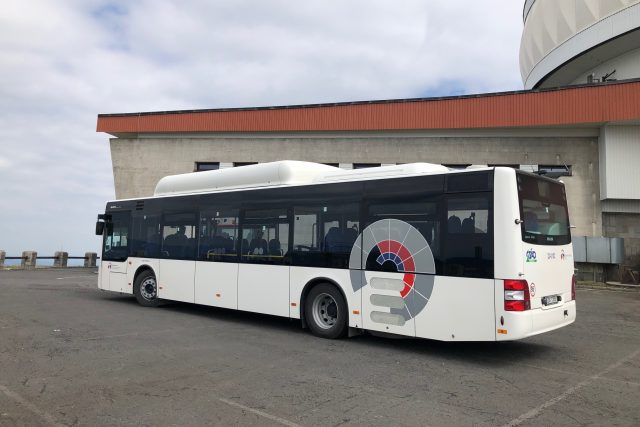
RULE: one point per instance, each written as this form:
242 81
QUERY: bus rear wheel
145 288
326 311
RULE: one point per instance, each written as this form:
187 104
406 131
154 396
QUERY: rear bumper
525 324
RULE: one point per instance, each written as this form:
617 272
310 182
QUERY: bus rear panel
535 281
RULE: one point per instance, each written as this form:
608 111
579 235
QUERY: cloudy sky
64 62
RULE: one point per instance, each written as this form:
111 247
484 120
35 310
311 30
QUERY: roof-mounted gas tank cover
287 172
281 173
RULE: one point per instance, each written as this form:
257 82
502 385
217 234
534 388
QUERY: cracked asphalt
73 355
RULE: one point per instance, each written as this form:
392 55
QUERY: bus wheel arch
320 292
145 286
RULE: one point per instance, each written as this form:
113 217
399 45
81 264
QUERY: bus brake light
516 295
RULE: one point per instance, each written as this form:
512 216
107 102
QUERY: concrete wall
138 163
626 226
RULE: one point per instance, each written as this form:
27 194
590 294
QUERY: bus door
216 281
115 252
263 273
177 257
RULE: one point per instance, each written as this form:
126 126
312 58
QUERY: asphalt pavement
71 354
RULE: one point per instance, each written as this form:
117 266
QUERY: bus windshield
543 208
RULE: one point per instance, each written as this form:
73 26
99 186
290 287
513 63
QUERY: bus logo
531 256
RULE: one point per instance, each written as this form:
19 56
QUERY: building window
238 164
366 165
554 171
207 166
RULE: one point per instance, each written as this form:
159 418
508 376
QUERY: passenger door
116 252
263 274
177 263
216 281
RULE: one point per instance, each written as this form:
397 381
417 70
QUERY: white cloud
4 163
64 62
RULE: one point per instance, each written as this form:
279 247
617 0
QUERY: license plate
550 300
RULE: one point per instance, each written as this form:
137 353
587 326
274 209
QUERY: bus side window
468 241
421 214
179 236
324 234
145 236
265 236
218 235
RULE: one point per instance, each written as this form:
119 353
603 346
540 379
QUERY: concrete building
587 135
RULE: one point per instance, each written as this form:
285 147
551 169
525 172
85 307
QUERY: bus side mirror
99 228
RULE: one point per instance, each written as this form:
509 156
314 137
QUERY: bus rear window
543 208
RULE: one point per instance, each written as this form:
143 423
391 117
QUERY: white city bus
417 250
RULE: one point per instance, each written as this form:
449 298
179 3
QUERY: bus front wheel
145 289
326 311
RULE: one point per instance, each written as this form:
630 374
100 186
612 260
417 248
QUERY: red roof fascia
567 106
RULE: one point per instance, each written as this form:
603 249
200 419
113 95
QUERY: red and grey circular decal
396 242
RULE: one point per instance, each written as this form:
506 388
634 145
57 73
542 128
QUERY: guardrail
29 259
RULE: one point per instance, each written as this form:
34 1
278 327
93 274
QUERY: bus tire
326 311
145 288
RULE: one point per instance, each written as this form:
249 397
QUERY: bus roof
281 173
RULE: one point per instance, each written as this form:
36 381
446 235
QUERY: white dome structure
567 42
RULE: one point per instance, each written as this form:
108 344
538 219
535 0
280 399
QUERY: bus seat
335 241
468 226
454 225
258 246
274 247
151 249
228 245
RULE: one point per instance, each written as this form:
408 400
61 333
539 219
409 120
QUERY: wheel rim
325 311
148 288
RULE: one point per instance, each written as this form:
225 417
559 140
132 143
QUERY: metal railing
29 259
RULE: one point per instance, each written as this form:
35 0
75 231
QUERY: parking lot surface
72 354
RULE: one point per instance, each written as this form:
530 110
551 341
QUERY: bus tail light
573 287
516 295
